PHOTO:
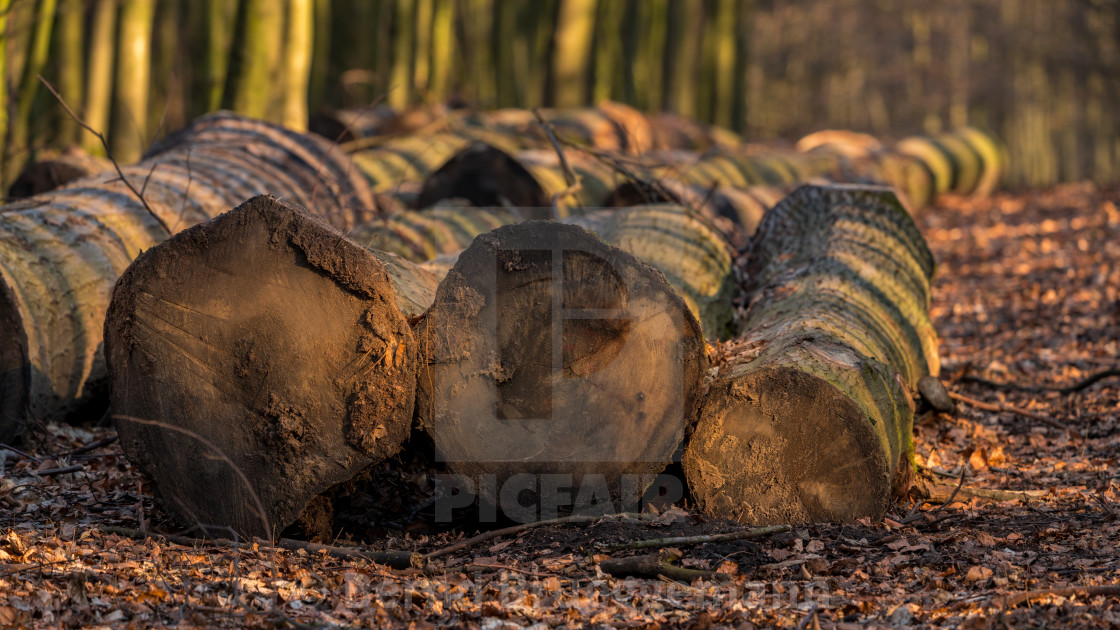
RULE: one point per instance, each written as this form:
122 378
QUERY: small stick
23 454
569 176
1000 408
59 471
1067 389
507 531
105 144
698 540
960 484
1009 601
808 617
656 565
95 445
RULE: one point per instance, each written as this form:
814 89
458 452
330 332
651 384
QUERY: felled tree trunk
735 211
810 416
688 249
547 352
51 171
259 359
433 232
532 180
60 253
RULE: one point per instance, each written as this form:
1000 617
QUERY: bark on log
422 236
735 211
549 352
259 359
60 253
689 250
533 181
809 418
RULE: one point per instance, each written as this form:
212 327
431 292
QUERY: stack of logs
736 304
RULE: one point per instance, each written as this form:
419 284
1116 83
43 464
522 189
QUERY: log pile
61 252
283 348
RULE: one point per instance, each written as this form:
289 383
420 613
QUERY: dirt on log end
255 361
548 352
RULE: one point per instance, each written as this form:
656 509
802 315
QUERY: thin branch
654 543
1001 408
1106 590
508 531
105 144
574 184
1039 389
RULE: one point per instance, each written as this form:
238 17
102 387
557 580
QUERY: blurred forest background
1044 75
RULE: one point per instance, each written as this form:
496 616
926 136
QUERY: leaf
977 574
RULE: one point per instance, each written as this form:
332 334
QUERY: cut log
54 170
61 252
810 416
547 352
534 181
689 250
735 211
259 359
422 236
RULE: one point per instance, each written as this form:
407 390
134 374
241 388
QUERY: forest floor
1027 291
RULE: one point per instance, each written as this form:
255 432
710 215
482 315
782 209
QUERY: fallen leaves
1028 290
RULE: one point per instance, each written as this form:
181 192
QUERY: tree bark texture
809 418
61 252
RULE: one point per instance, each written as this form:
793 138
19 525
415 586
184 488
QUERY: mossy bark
128 136
810 415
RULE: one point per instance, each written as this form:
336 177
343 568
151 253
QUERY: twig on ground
656 565
92 446
1009 601
507 531
808 617
60 471
109 154
1084 383
23 454
654 543
1001 408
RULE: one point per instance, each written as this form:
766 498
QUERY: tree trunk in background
723 43
553 389
265 422
571 54
809 419
167 107
128 136
443 49
250 84
221 16
741 83
506 15
400 87
610 64
422 49
297 62
17 148
99 73
70 47
322 74
686 36
5 8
